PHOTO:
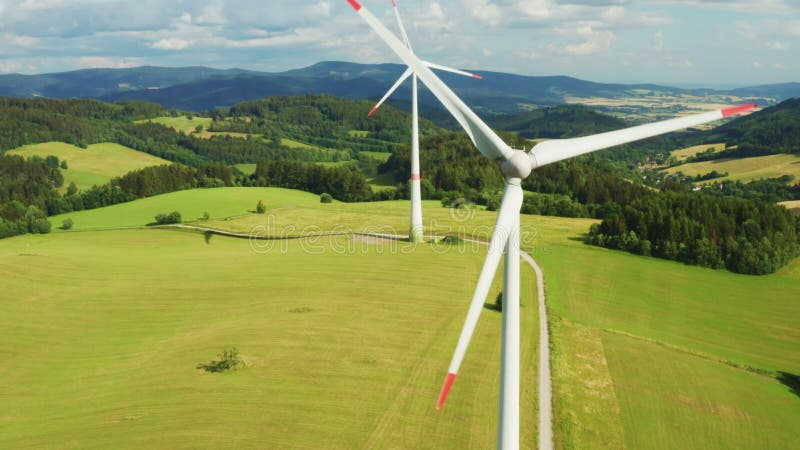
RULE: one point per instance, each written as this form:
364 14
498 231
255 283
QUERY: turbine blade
400 24
397 84
559 149
451 70
486 140
506 220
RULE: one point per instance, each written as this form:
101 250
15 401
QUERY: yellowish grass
745 169
688 152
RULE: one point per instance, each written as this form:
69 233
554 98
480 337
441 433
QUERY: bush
206 215
325 198
261 208
67 224
166 219
64 165
228 360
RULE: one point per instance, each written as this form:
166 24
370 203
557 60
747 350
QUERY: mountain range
202 88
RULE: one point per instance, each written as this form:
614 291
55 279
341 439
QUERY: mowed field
688 152
744 169
96 164
182 123
647 353
343 349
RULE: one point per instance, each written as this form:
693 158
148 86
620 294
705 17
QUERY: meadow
688 152
95 165
106 351
744 169
182 123
646 353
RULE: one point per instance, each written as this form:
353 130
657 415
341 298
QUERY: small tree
261 208
206 215
166 219
325 198
67 224
228 360
64 165
72 189
52 161
198 129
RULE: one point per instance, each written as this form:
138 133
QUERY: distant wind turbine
415 233
516 165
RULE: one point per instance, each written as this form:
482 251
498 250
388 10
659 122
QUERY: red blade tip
475 75
372 112
394 3
448 383
738 110
354 4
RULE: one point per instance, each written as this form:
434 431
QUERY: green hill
94 165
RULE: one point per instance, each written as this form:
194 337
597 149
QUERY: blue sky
679 42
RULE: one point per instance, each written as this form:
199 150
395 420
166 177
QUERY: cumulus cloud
595 41
171 44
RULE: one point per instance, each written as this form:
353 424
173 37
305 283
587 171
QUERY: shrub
325 198
166 219
261 208
206 215
64 165
67 224
228 360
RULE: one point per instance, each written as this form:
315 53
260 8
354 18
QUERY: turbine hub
518 166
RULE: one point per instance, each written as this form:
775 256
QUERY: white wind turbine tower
516 165
415 233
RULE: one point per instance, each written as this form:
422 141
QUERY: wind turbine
516 165
415 233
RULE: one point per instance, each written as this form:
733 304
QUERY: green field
219 203
688 152
182 123
646 353
377 156
96 164
744 169
247 169
291 143
339 354
358 133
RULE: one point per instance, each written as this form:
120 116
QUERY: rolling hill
199 88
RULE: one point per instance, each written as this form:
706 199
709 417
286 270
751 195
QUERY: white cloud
95 62
13 40
596 41
658 41
777 45
171 44
484 11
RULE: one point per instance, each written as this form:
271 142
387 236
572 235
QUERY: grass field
688 152
246 168
219 203
377 156
182 123
745 169
211 134
102 364
291 143
646 353
96 164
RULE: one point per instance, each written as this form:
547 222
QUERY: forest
736 226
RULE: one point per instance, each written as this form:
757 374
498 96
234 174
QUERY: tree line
744 236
